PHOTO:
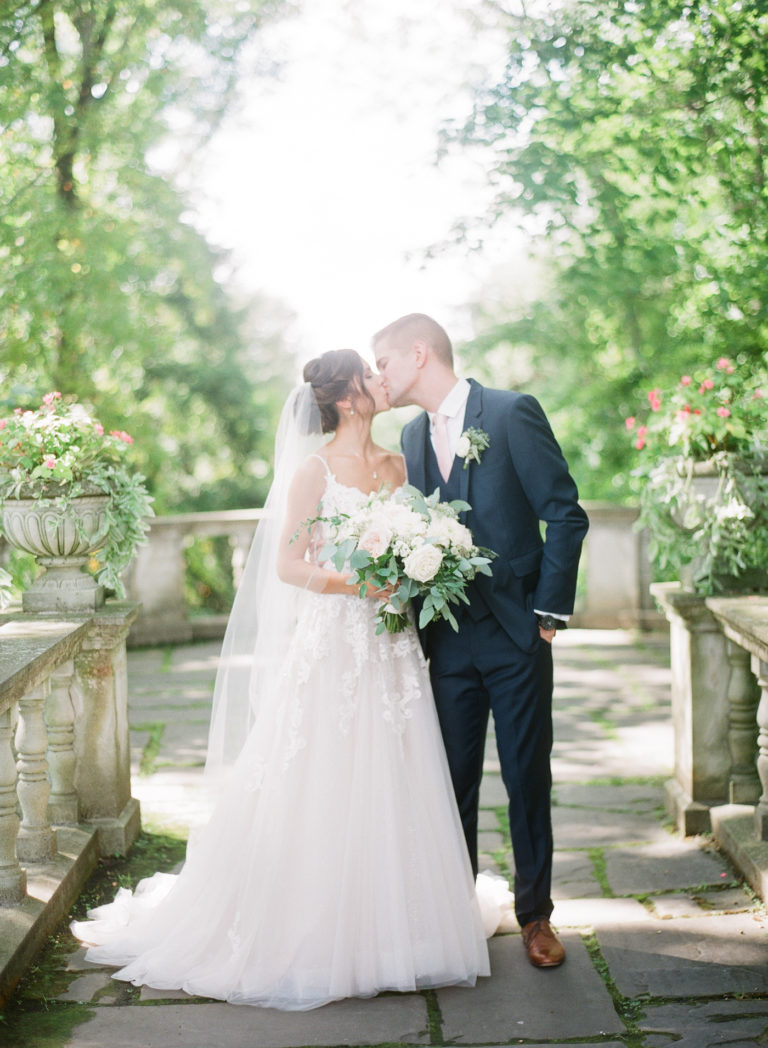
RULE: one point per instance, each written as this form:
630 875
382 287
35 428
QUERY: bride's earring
351 411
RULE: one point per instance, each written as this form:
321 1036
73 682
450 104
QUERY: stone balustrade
613 591
741 825
719 661
156 576
65 791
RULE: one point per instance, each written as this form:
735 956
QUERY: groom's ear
420 352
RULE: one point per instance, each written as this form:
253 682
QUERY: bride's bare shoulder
312 471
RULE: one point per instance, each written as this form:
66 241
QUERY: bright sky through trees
323 180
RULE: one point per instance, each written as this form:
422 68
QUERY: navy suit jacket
521 482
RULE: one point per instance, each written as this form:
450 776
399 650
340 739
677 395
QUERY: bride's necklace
361 456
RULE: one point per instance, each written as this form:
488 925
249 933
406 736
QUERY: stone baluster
37 841
743 696
13 880
63 806
760 669
240 546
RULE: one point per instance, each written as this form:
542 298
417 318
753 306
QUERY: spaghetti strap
328 470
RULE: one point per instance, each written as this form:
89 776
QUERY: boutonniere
471 445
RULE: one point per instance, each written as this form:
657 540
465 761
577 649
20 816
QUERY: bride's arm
304 497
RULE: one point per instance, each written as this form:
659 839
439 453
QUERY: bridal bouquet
411 543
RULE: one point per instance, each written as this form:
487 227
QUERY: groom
501 659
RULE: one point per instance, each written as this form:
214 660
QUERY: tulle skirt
334 863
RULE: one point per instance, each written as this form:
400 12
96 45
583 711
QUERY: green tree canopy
107 291
629 135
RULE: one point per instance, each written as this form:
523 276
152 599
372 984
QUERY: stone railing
156 576
615 573
741 827
719 661
65 791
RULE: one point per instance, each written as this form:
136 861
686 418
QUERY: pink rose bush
413 544
723 409
58 452
703 463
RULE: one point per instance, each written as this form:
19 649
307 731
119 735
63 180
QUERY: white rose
463 446
424 563
375 540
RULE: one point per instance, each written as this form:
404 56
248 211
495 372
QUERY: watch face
548 622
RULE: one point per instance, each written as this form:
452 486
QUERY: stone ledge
733 826
115 836
52 888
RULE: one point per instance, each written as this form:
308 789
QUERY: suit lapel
472 415
416 451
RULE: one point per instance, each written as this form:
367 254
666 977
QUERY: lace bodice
341 498
338 499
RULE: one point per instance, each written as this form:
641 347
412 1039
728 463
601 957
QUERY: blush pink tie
442 444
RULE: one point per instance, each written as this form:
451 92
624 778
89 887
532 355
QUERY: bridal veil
265 609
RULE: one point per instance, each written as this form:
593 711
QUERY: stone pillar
700 708
13 880
63 807
37 840
102 744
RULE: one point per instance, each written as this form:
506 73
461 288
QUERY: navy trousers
484 671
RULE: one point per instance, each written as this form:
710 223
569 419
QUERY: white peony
423 563
440 531
461 537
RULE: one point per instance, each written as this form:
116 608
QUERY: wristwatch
549 622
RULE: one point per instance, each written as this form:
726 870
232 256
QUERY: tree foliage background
629 138
107 291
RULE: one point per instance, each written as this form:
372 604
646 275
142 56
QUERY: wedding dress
334 863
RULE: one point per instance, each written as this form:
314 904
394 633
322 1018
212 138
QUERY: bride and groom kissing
341 859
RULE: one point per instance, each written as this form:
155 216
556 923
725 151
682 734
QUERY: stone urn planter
62 536
714 490
67 492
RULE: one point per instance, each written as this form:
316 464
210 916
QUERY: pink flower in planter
50 462
686 380
723 412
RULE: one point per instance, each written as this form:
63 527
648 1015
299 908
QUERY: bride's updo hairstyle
333 376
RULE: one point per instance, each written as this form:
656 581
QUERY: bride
334 863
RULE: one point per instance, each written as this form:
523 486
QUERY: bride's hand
382 594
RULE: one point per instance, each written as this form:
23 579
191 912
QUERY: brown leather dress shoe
544 948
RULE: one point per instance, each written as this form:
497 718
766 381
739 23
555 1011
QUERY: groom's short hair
414 327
